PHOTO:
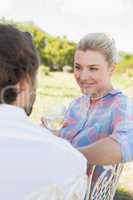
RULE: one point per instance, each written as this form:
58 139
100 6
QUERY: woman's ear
112 68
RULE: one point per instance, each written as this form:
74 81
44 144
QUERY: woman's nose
84 75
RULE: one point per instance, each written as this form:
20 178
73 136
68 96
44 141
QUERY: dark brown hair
18 59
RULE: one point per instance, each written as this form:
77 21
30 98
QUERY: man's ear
22 86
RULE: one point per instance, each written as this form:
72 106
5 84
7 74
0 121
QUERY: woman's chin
86 92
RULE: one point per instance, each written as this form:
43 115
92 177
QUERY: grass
122 194
56 88
62 88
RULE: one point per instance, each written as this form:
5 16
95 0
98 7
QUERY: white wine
54 123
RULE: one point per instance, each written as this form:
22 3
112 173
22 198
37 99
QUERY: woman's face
92 72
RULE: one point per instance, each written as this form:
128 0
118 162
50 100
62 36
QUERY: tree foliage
57 52
126 64
54 52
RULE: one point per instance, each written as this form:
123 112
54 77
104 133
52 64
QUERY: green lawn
61 88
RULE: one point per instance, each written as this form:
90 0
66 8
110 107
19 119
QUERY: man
32 159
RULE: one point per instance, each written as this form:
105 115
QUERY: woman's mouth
87 85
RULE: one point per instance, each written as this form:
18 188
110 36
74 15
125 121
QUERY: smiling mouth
87 85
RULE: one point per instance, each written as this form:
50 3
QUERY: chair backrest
90 171
106 184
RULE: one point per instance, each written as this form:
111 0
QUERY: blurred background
56 26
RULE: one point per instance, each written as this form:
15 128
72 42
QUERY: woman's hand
43 123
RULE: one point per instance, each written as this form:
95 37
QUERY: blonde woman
99 123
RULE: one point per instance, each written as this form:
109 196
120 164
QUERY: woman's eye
93 69
77 67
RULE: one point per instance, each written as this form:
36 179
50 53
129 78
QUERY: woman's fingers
43 122
65 124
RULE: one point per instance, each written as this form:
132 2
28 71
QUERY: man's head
18 68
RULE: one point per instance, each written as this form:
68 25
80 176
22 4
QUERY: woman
99 123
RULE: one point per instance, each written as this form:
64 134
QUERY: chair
90 174
106 184
104 188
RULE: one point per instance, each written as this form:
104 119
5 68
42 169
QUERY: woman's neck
100 94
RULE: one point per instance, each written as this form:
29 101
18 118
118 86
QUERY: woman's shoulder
122 98
122 101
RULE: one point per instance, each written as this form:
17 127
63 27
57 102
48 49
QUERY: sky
75 18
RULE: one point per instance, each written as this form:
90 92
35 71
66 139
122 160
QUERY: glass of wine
54 117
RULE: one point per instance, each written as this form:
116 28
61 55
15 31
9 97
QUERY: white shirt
32 158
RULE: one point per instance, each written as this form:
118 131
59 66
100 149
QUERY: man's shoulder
35 138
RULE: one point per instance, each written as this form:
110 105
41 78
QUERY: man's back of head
18 67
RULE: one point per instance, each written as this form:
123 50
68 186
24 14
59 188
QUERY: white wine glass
53 116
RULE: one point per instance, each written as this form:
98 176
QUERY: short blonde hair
101 42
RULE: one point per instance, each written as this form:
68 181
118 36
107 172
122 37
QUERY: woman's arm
103 152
